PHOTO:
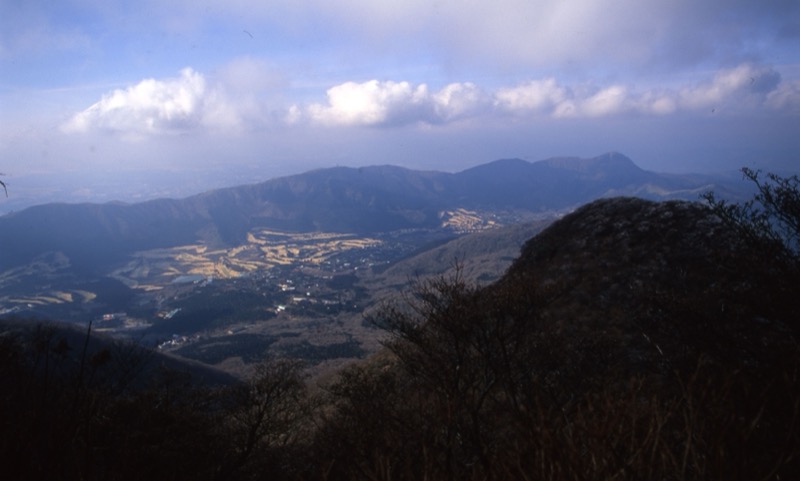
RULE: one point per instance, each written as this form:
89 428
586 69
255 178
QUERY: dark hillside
651 287
631 340
93 234
123 361
367 199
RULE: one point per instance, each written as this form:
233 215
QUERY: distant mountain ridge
339 199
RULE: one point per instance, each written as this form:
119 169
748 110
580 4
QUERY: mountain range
340 199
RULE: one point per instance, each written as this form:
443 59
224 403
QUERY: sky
267 88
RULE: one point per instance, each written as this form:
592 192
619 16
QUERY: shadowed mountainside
652 286
630 340
129 363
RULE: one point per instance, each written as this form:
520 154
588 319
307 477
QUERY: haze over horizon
202 88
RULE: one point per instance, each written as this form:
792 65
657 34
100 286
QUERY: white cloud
537 96
393 103
608 101
658 102
458 101
149 107
369 103
741 87
234 101
785 98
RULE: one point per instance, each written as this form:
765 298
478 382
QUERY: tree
500 388
768 257
770 220
265 418
374 427
470 351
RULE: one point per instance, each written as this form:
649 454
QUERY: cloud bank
189 103
233 102
151 106
743 89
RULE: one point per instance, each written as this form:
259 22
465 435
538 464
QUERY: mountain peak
609 160
500 165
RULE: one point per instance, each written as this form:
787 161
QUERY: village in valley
297 294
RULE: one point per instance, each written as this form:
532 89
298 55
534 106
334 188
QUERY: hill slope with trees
630 340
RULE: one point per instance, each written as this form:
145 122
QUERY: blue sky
284 86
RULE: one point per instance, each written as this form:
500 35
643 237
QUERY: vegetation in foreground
691 375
